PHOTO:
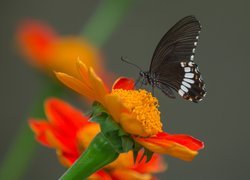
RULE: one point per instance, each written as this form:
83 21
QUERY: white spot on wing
189 75
181 92
197 37
191 64
193 50
186 84
184 88
187 69
192 57
182 64
195 43
191 81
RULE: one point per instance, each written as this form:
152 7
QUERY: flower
45 49
63 130
69 132
136 111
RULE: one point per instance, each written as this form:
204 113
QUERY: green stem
24 145
99 153
104 21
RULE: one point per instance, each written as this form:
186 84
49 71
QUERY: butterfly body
172 66
148 78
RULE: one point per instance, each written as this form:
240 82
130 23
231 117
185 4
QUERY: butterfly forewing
172 62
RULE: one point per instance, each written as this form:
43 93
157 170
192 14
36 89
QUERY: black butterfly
172 66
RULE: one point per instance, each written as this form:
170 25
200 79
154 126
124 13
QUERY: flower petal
98 86
63 115
125 160
76 85
39 127
130 125
47 135
114 106
87 134
67 159
121 174
124 83
35 40
155 165
180 146
100 175
84 72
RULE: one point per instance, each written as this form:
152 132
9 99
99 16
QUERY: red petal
47 135
40 128
156 164
100 175
124 83
35 39
181 146
185 140
65 118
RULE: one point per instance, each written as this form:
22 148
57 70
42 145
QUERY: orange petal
180 146
114 106
84 72
87 134
130 125
66 50
124 83
125 160
98 86
76 85
65 159
122 174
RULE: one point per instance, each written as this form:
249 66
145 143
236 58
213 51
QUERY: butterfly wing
172 62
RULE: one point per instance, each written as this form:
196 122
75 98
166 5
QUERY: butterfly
172 66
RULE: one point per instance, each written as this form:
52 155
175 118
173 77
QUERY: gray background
221 120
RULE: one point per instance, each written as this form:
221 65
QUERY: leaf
109 125
114 140
127 143
148 154
122 132
99 118
97 109
111 130
136 149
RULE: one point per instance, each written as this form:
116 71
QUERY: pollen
143 107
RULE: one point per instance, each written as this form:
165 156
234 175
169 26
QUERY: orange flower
44 48
69 132
136 111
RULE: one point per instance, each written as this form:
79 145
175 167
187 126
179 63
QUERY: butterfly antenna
126 61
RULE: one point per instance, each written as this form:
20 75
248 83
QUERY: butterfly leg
140 85
137 81
153 90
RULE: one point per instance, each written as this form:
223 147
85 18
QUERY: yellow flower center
143 107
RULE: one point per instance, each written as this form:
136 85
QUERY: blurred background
221 120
